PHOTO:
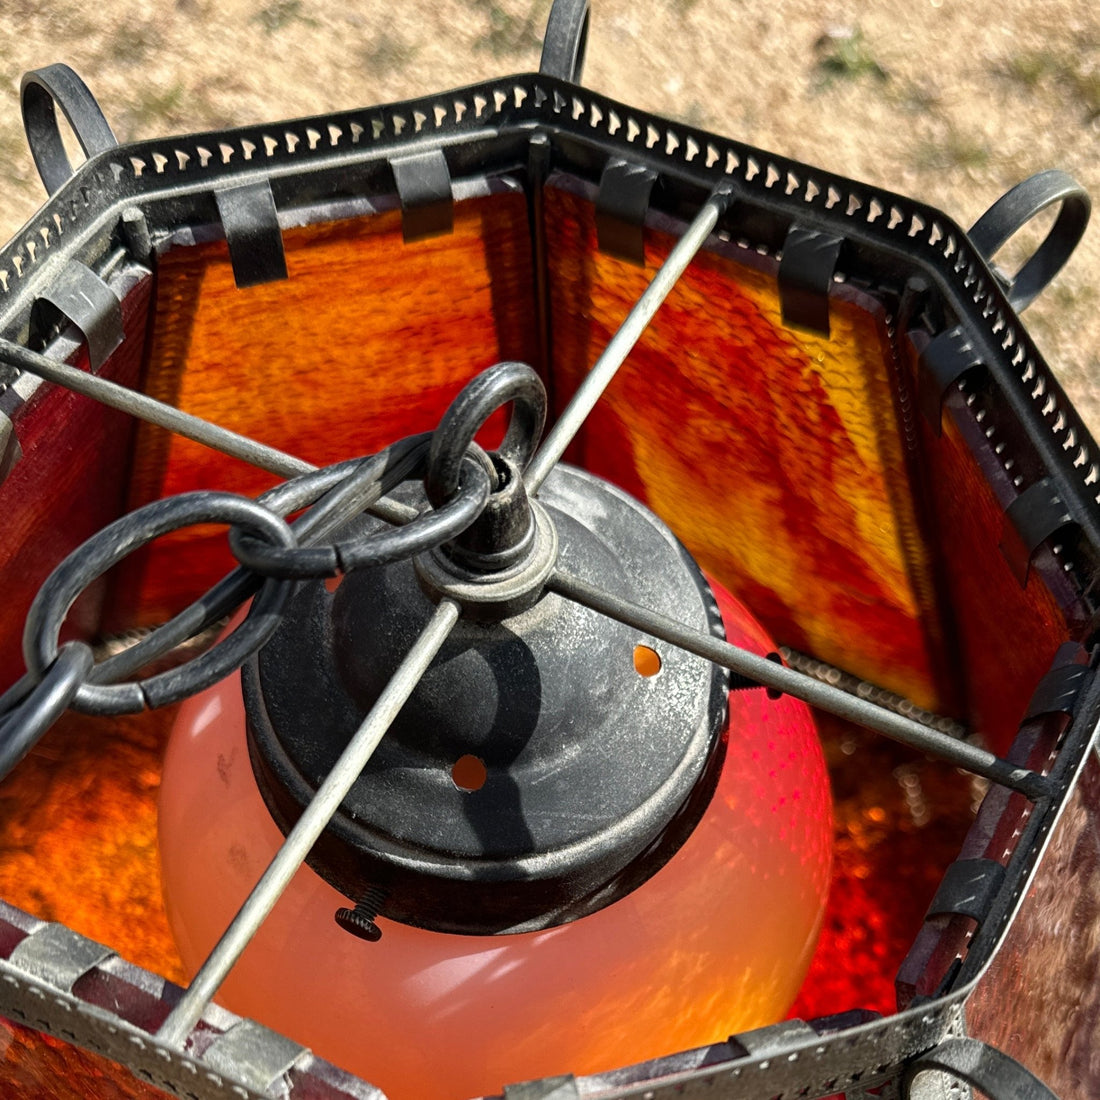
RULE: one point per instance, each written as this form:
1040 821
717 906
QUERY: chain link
31 705
114 543
274 557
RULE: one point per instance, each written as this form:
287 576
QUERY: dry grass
948 102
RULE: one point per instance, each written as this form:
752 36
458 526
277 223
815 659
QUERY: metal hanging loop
1013 210
565 41
982 1067
428 530
117 541
41 92
29 708
478 400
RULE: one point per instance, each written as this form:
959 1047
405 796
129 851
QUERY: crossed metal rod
332 791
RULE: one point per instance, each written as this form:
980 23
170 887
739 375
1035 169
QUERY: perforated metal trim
244 1062
487 127
475 124
869 1057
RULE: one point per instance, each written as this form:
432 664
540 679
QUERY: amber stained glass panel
774 454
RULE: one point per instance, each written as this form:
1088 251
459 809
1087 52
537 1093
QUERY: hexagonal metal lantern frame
103 223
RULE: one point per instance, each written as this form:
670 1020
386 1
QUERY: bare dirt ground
947 101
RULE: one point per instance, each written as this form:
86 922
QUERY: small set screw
360 920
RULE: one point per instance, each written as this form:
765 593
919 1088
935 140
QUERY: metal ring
428 530
27 714
1014 209
366 480
306 562
234 588
478 400
18 691
110 546
40 90
566 40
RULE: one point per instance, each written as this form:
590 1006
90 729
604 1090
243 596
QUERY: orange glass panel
774 454
78 835
1004 635
367 341
899 819
34 1066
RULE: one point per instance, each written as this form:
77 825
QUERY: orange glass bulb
716 942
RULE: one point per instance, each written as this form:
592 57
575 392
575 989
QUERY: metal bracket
765 1041
57 956
547 1088
81 296
967 889
1036 515
1060 688
945 359
251 225
10 451
841 1021
805 275
256 1055
621 208
134 228
424 187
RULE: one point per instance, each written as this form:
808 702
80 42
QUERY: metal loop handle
29 708
1014 209
41 91
117 541
492 389
982 1067
565 41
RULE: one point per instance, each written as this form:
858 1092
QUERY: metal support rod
309 827
628 334
175 420
772 675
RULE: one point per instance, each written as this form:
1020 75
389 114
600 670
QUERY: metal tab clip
252 231
805 275
424 186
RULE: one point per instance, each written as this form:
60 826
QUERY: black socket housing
596 775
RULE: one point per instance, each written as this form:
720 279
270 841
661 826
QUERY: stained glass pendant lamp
663 471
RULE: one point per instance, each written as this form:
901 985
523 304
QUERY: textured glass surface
365 342
78 835
899 820
1039 1001
34 1066
774 453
